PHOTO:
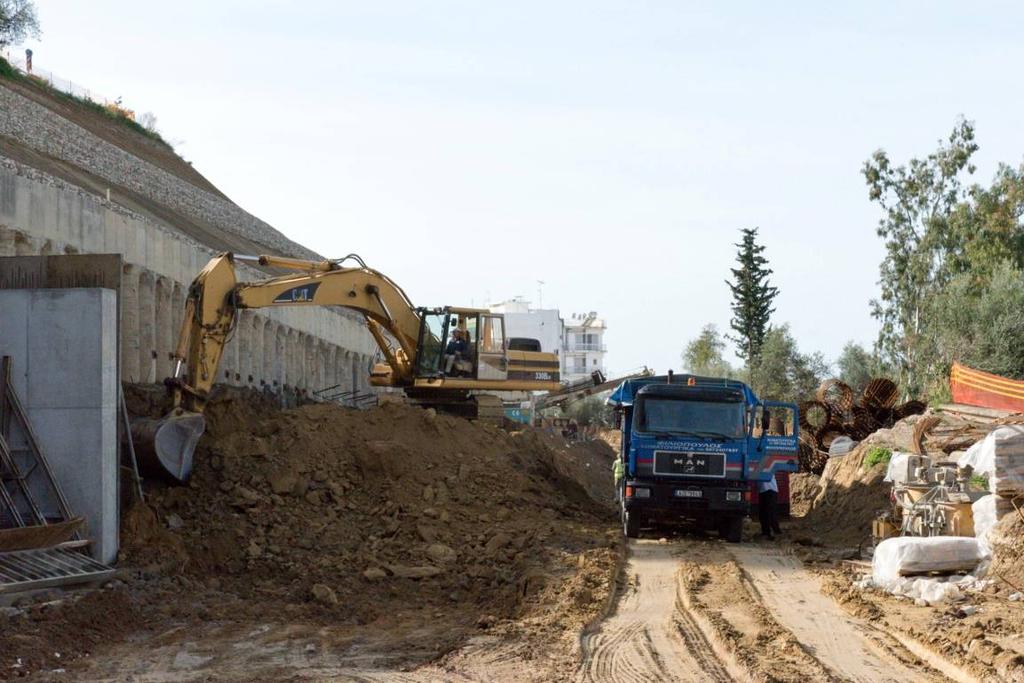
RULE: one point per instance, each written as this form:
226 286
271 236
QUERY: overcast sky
612 150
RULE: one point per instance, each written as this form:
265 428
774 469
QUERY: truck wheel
630 524
731 529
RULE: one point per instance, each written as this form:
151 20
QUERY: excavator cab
461 344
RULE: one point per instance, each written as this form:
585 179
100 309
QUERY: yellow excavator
441 357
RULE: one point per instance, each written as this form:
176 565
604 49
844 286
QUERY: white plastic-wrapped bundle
972 458
896 557
930 589
987 511
1007 478
1000 457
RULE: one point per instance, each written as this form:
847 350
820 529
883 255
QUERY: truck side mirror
766 420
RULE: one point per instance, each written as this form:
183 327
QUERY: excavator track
482 407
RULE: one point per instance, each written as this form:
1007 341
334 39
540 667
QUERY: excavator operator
456 354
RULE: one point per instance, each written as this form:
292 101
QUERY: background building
578 342
543 324
584 348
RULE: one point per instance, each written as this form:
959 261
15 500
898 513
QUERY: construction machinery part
167 446
930 498
439 356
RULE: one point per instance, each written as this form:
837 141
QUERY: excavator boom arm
215 297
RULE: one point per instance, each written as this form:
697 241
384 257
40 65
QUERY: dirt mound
587 462
804 487
1007 540
368 516
52 634
850 494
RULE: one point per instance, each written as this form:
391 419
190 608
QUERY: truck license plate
688 493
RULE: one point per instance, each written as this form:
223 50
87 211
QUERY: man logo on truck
691 465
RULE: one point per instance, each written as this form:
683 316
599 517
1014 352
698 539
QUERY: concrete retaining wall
64 346
296 349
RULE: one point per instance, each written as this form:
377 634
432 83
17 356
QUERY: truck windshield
693 417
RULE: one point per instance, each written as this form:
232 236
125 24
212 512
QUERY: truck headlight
734 496
642 493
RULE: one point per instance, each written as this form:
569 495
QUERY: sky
611 150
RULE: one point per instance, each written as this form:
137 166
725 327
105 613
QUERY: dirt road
848 648
651 636
696 609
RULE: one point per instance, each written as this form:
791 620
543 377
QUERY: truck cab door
781 438
492 358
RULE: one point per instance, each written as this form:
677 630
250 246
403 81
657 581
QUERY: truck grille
680 464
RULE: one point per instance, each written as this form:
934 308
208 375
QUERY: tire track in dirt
650 636
714 592
843 644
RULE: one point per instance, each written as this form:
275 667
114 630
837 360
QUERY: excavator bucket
165 447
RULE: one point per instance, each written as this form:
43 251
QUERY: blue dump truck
692 448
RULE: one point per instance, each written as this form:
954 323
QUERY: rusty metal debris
837 411
880 393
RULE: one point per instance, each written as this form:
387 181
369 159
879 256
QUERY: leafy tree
938 232
18 21
590 411
703 355
980 328
781 372
752 296
917 200
857 366
986 229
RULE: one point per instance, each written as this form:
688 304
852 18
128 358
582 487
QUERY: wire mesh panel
32 569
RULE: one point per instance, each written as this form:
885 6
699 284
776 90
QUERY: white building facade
584 347
578 342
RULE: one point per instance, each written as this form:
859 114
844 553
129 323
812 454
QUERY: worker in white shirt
767 507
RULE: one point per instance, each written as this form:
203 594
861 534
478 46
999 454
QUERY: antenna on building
540 294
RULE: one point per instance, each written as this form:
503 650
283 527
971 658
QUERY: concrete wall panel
147 327
130 322
64 346
164 327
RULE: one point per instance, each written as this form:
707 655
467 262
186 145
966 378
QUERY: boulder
440 553
324 594
375 574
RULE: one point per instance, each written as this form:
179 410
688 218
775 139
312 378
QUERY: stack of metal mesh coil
837 411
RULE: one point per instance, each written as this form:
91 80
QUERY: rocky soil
424 528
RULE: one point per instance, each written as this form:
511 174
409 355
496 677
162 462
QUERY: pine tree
752 296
